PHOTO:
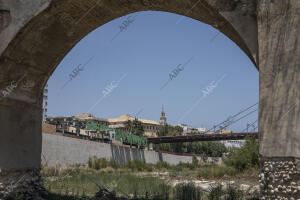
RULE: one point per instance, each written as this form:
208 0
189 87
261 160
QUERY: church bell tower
163 119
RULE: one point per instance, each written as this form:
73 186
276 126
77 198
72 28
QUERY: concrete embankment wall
65 151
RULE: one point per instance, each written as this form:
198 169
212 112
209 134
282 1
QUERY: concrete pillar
20 150
279 108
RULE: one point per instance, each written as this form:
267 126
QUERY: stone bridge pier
20 147
35 35
279 106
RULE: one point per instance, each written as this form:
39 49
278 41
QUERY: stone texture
35 35
22 185
279 95
53 28
5 19
279 178
20 136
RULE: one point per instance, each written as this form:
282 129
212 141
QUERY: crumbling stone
22 185
280 179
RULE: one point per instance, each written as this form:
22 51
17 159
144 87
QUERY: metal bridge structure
202 137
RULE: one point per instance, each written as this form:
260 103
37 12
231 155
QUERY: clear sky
135 72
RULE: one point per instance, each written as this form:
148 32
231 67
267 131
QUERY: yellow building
225 131
150 126
90 117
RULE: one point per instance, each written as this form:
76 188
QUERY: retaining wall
65 151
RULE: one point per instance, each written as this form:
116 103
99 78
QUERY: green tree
245 157
210 149
168 130
128 126
163 130
137 127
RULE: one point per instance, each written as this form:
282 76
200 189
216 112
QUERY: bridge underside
36 34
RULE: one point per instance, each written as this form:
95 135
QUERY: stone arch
40 44
36 34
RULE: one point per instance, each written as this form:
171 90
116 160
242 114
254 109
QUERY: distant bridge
201 137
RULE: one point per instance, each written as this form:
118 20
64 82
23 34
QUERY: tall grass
187 191
231 192
77 183
130 186
216 171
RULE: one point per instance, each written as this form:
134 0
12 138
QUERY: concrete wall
64 151
20 126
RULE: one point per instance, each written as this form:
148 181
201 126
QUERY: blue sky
126 74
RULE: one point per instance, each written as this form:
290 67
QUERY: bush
98 163
210 149
112 163
215 192
216 171
162 165
231 192
195 160
245 157
187 191
137 165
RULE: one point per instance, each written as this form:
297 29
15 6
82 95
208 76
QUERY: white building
187 129
234 143
45 103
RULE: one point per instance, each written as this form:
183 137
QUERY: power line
249 125
228 122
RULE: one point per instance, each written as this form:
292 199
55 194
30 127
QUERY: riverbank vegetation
161 181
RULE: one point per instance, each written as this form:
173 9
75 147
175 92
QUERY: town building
233 143
90 117
77 124
224 131
45 103
190 130
150 126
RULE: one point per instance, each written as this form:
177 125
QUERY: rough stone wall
20 185
279 108
5 19
280 178
279 101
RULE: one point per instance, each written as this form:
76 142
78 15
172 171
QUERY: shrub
162 165
98 163
195 160
112 163
187 191
137 165
233 193
215 192
216 171
245 157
